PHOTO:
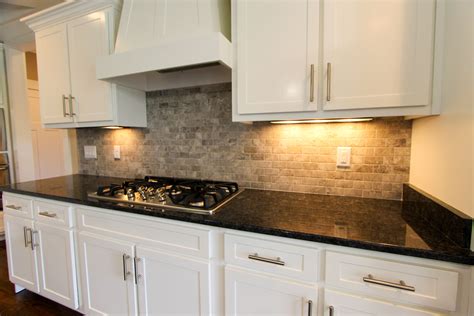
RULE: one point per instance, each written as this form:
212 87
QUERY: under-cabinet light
113 127
342 120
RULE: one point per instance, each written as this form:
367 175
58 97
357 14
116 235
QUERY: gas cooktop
189 195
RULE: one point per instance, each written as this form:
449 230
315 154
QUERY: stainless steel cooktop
161 193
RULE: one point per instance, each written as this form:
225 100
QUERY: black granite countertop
372 224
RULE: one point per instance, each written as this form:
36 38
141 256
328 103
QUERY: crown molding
67 10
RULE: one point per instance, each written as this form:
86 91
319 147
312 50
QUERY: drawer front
268 256
147 231
57 214
396 281
343 304
18 206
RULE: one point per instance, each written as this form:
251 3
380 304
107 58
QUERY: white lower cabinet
57 266
22 260
250 293
340 304
41 258
108 285
171 284
130 264
122 278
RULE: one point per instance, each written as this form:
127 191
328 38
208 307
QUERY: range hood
158 37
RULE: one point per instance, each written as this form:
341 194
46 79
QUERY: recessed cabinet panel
172 284
53 69
377 54
22 267
275 44
57 264
88 38
107 275
254 294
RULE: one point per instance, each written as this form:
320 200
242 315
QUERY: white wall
19 113
442 155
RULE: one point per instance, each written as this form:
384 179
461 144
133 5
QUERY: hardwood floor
24 303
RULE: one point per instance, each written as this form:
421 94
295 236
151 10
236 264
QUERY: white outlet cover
344 157
117 152
90 152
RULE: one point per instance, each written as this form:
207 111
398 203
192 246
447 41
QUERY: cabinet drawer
17 206
345 304
53 213
425 286
147 231
279 258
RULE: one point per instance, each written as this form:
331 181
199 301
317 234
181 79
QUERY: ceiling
12 31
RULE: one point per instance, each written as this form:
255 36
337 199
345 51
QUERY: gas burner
197 196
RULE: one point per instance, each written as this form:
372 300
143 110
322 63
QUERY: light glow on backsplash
190 134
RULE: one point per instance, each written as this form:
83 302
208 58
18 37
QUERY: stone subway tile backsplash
191 134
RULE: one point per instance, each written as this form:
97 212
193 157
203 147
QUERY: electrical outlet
116 152
90 152
344 157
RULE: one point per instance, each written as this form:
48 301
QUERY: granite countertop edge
467 259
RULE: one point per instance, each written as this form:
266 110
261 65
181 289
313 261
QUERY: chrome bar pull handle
401 286
331 310
25 235
310 307
137 275
126 273
311 84
276 261
47 214
33 243
65 113
328 86
14 207
71 108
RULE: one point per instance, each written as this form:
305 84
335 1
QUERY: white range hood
159 37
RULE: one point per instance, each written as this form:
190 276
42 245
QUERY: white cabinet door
88 39
349 305
253 294
171 284
53 72
56 260
380 53
276 42
22 267
108 286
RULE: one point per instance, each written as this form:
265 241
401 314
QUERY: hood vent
157 37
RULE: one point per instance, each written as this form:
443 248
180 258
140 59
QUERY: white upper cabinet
276 45
53 66
92 97
377 54
375 58
69 39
